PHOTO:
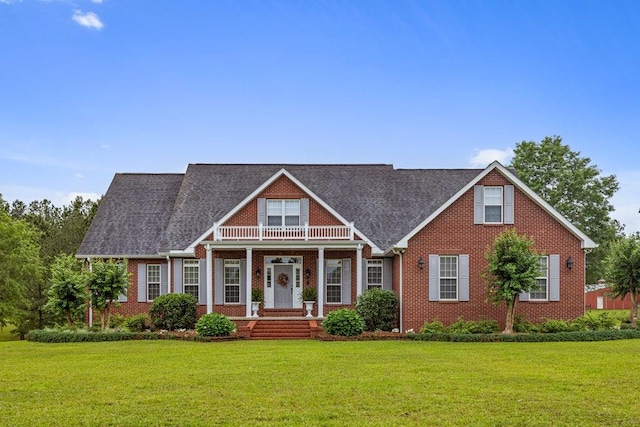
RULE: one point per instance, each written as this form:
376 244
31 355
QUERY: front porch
281 270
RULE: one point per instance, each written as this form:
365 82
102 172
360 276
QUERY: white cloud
79 175
96 1
9 1
89 19
483 158
105 146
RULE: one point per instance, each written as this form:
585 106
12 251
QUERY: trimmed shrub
174 311
522 325
343 322
608 335
137 323
484 326
550 326
214 325
53 336
115 320
435 327
379 309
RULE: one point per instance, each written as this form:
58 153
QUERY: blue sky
90 88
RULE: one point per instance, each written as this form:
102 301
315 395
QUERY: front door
283 285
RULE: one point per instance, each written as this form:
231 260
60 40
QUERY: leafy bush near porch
137 323
174 311
379 309
214 325
343 322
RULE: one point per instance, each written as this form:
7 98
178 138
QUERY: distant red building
599 299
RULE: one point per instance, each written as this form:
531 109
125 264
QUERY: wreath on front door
283 280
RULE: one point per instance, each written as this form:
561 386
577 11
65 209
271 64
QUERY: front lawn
375 383
5 334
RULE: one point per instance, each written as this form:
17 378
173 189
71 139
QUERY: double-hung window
542 281
493 205
334 281
232 281
153 282
374 273
283 212
191 275
448 277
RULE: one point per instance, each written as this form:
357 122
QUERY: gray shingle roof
132 216
144 214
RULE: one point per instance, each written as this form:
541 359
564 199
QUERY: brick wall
453 233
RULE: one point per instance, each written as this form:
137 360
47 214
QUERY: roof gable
587 243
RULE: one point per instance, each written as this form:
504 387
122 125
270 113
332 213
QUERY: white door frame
270 281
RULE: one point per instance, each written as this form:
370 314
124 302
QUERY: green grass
5 335
372 383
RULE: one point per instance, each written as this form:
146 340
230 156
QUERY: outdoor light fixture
421 264
569 263
258 272
307 273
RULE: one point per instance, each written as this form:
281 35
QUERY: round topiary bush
174 311
379 308
343 322
214 325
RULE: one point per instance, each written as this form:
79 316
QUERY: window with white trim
542 281
374 274
283 212
493 205
191 277
231 281
448 277
153 281
334 281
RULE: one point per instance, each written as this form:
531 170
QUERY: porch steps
280 329
282 312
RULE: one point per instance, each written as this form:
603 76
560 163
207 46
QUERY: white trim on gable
587 243
260 189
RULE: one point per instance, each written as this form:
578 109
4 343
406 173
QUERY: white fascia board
586 242
261 188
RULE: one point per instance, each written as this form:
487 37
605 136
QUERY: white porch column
169 275
209 280
248 275
320 282
359 271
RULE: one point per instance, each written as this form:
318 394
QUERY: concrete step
280 329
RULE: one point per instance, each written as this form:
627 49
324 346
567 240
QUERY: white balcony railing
302 232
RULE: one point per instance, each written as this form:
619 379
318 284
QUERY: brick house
219 230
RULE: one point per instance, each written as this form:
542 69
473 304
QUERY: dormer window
283 212
492 205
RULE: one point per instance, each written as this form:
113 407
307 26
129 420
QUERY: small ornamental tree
107 281
623 272
67 293
513 268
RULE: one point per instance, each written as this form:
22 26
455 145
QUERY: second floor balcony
302 232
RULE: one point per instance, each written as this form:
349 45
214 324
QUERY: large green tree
107 281
513 268
60 232
623 271
575 188
19 266
67 294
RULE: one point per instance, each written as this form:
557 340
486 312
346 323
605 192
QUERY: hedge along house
219 230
